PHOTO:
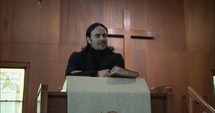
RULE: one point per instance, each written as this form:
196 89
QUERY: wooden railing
195 96
42 97
168 91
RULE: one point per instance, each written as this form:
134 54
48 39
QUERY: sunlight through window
214 83
12 90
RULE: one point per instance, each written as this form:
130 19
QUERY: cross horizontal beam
137 34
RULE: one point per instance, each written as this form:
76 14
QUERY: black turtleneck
97 55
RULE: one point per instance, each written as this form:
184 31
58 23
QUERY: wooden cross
128 34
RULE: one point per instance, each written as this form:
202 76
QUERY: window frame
26 66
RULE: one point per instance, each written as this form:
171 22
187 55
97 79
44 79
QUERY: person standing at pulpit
96 58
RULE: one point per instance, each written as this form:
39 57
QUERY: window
17 82
213 79
12 89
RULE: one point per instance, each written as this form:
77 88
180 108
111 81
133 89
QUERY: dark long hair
90 29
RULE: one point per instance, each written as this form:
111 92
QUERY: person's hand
104 73
75 72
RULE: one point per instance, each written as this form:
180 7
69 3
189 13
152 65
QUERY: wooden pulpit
56 102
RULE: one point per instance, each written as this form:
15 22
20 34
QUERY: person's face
98 39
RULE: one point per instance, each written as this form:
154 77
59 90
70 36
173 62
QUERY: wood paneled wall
181 54
30 33
200 46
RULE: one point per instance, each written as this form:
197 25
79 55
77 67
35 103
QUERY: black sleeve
119 61
89 73
75 64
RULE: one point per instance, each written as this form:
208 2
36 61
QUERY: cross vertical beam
127 39
127 33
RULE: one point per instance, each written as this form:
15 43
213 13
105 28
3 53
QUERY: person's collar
94 50
90 48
